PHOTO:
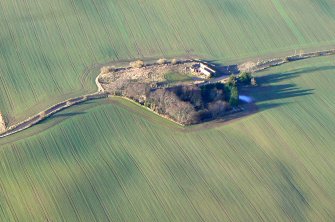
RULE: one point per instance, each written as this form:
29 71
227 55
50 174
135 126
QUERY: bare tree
137 64
174 61
218 108
161 61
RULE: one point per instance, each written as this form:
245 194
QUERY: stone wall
265 64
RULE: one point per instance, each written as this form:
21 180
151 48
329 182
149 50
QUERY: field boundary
33 120
265 64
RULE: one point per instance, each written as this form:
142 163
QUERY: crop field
47 48
112 160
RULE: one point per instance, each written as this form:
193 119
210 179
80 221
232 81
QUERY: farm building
203 69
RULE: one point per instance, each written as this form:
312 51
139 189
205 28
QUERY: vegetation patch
178 91
173 77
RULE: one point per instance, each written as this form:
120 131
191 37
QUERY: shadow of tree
265 93
223 70
278 77
270 89
60 116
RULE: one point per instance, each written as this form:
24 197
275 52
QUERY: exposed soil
146 74
247 66
2 123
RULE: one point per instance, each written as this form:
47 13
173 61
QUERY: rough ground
146 74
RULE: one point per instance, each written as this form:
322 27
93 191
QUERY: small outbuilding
203 69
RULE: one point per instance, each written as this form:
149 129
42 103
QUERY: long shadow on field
60 116
270 88
223 70
271 92
278 77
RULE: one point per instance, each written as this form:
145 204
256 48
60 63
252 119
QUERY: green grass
173 77
118 161
48 47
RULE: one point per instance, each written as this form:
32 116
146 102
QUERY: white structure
203 69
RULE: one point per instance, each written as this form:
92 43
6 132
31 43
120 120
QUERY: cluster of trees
186 104
131 89
165 101
190 104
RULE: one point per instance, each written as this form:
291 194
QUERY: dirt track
48 112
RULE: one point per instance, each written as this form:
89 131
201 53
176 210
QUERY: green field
48 47
115 160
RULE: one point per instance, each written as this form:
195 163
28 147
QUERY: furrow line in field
63 41
122 187
8 202
138 29
208 37
24 204
296 157
192 164
12 35
53 168
162 203
196 211
24 66
66 45
39 46
7 92
45 178
116 176
200 33
75 178
47 62
30 181
149 24
175 26
80 23
175 32
154 143
233 147
125 20
257 144
295 30
84 170
167 210
105 25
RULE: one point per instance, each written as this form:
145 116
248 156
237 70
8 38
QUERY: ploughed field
49 49
113 160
